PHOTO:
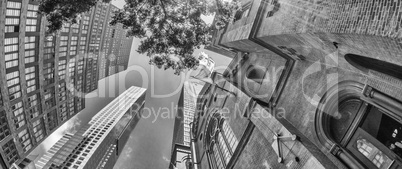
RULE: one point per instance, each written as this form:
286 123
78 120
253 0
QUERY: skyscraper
98 144
35 73
181 132
109 48
43 76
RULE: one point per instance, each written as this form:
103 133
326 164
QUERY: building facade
115 46
44 77
181 152
108 48
98 144
36 72
317 84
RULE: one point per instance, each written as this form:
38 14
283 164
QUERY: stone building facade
327 72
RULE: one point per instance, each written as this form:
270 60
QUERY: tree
170 30
167 28
58 12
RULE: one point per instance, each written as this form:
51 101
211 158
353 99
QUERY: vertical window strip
10 45
223 146
13 11
19 116
218 158
231 138
25 140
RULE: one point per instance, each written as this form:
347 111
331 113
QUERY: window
31 25
4 128
50 98
71 69
71 106
83 40
30 56
11 60
25 140
62 92
63 46
13 13
30 42
73 50
34 106
65 29
31 78
74 40
357 121
14 5
52 120
18 112
48 71
62 69
63 112
11 152
75 28
62 49
49 48
10 45
37 129
221 141
13 84
30 50
32 11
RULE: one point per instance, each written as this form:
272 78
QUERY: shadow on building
317 84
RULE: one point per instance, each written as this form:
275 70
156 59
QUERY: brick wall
368 28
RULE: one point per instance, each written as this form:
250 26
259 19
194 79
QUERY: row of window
34 106
11 151
13 84
18 112
13 12
25 140
12 16
4 128
38 130
30 76
220 140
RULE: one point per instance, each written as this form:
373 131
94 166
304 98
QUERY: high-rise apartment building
36 72
43 76
98 144
109 47
181 132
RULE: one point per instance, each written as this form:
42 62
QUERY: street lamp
212 83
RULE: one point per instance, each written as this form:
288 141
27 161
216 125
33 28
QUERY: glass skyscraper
184 117
98 144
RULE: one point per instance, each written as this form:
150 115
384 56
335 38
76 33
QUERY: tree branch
166 15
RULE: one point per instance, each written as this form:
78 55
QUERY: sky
149 145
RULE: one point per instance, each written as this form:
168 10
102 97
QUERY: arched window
220 141
360 125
